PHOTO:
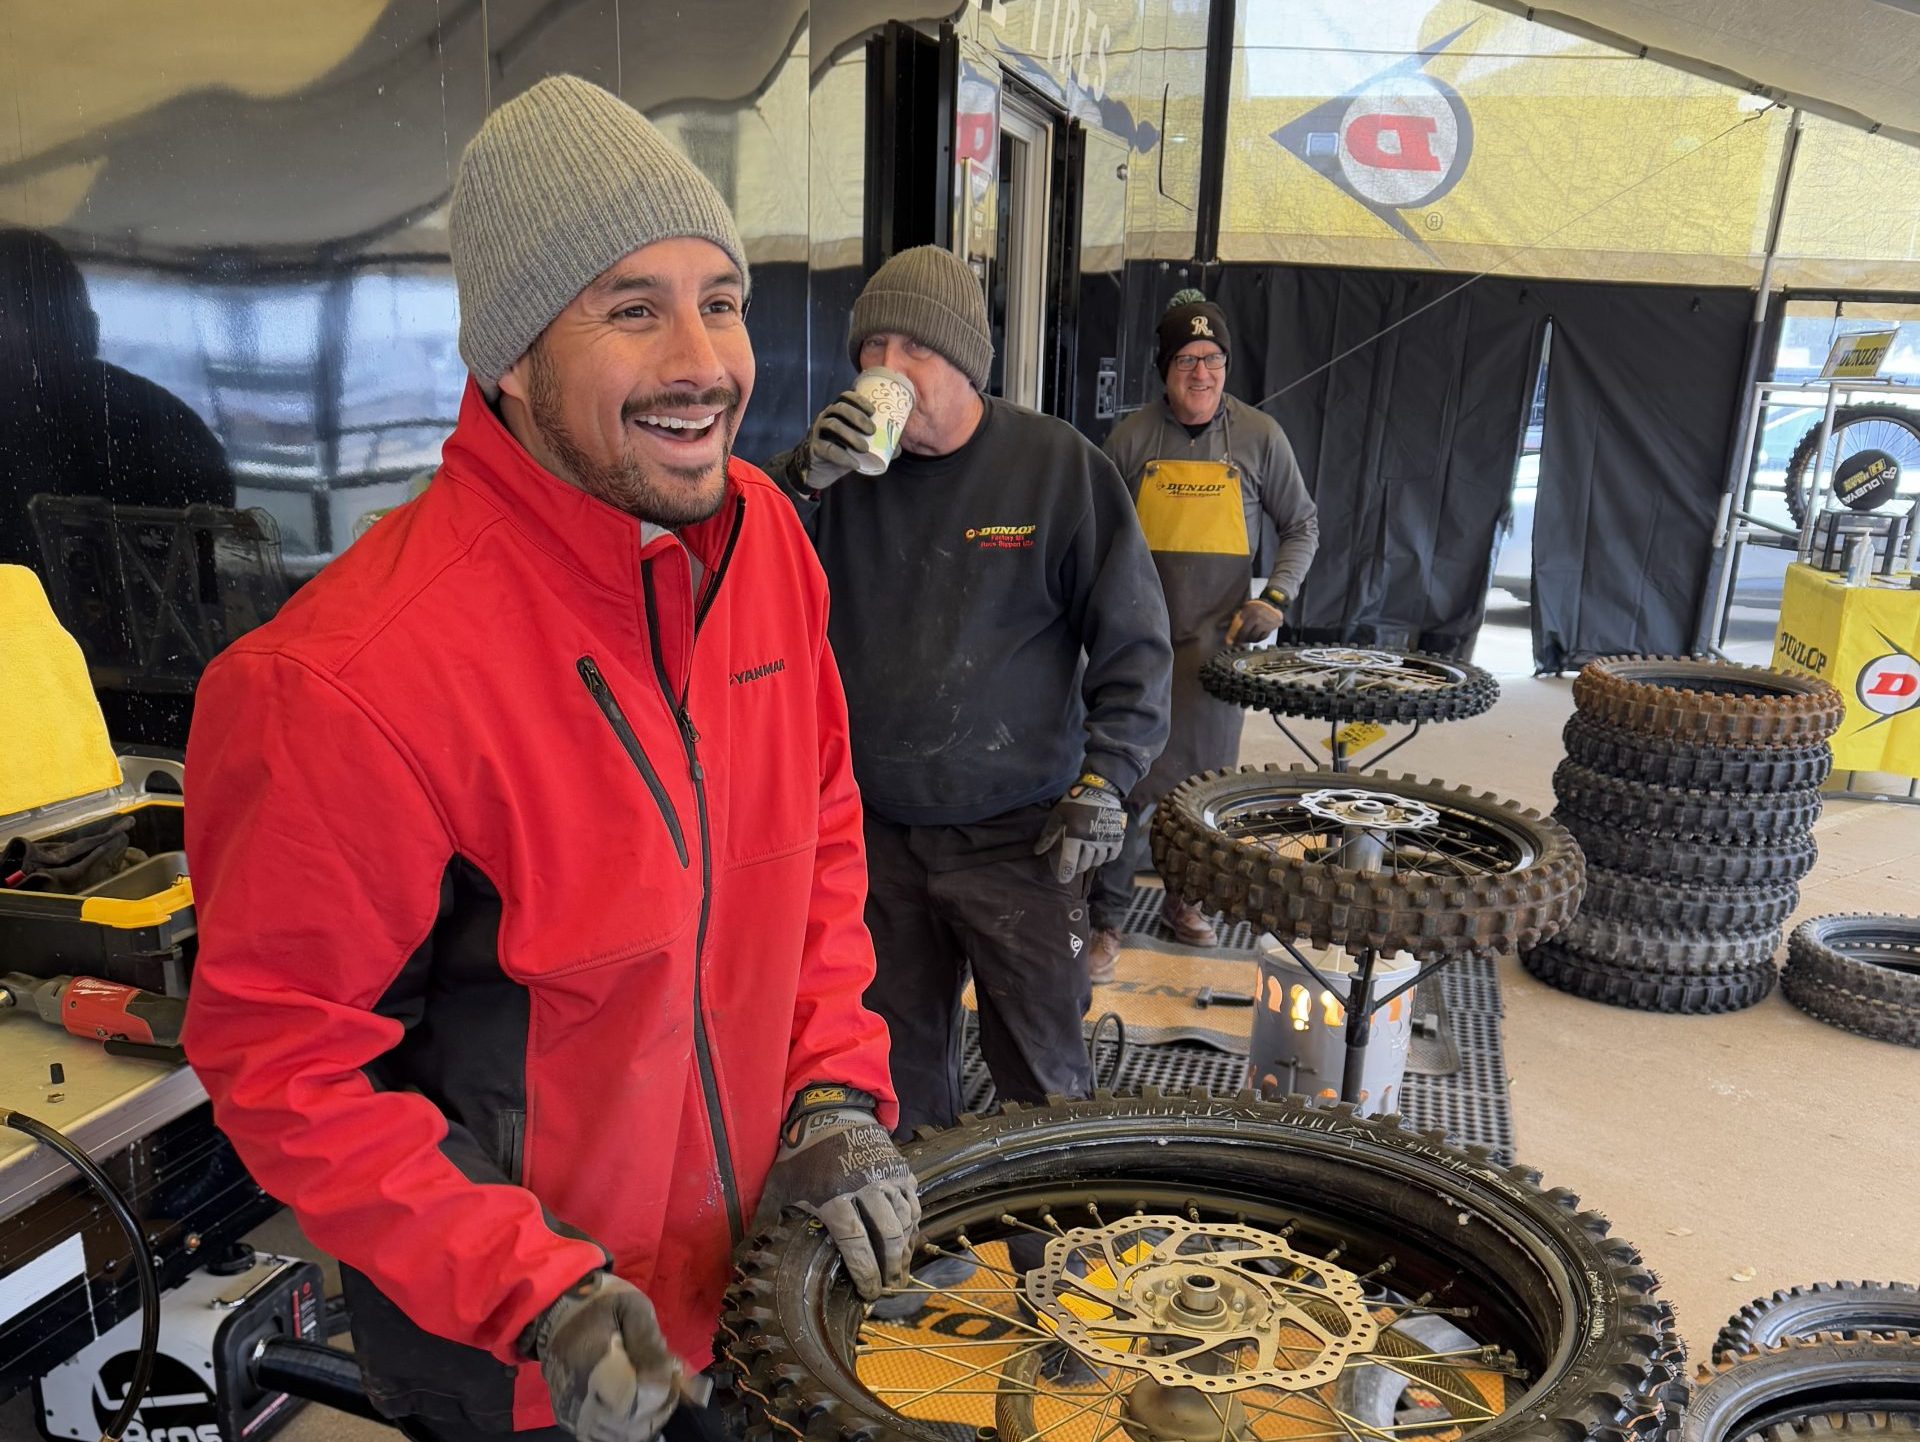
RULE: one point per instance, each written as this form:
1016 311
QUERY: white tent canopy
1855 61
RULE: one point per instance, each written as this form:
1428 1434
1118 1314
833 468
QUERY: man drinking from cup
1001 633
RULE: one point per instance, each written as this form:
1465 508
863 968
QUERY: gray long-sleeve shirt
1273 495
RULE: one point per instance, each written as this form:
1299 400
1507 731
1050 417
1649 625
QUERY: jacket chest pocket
773 757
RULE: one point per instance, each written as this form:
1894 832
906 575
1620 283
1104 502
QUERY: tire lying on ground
1349 683
1622 896
1803 1378
1572 1330
1688 859
1821 1307
1686 991
1860 973
1672 761
1709 815
1710 703
1663 948
1460 874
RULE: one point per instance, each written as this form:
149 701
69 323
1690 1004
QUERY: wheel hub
1347 656
1213 1307
1374 810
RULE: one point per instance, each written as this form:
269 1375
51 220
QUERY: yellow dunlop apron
1196 527
1193 506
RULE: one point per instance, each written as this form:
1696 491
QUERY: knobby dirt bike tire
1438 1209
1802 1378
1255 677
1623 896
1710 703
1673 761
1820 1307
1704 815
1860 973
1431 917
1695 993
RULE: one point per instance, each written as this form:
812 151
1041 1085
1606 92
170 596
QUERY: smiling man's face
635 390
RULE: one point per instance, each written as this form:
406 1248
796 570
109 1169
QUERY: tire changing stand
1362 1018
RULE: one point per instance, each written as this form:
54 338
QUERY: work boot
1189 922
1103 954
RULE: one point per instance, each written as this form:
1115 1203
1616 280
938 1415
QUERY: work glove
606 1366
1257 619
837 1164
838 439
1085 828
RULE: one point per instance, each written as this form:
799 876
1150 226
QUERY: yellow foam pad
57 745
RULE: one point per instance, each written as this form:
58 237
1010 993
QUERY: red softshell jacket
528 865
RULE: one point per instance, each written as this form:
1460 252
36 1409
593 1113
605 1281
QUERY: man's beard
626 483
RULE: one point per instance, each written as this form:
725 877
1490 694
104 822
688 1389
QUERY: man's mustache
726 397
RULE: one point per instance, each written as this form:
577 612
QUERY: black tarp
1409 444
1642 392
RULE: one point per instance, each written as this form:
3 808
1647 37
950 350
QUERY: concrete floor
1740 1153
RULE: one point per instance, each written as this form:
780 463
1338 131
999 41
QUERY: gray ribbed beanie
559 184
929 294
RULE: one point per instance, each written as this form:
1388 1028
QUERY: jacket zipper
690 739
603 696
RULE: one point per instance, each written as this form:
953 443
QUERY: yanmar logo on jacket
757 673
1002 538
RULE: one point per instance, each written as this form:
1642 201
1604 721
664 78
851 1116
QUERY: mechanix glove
607 1368
838 1164
1085 828
838 439
1257 619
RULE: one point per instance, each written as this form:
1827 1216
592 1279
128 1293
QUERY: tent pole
1729 535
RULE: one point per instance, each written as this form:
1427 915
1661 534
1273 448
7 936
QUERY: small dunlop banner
1866 641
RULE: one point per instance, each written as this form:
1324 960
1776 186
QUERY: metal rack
1736 525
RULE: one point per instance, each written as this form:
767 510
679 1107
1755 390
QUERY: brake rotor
1374 810
1348 656
1213 1306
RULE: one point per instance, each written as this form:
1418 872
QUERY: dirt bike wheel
1349 683
1504 1308
1458 873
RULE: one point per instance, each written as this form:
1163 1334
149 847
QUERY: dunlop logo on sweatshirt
1191 489
1002 538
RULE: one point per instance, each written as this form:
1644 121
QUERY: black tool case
137 927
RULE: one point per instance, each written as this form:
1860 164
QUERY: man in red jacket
526 844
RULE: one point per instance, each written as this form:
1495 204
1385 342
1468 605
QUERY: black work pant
945 900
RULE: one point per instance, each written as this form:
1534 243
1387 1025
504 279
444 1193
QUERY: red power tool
145 1023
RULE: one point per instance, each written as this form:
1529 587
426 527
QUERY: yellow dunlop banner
1865 640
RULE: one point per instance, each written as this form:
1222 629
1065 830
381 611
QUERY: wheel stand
1367 851
1340 747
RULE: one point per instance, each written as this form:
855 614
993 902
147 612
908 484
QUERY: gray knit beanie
927 293
559 184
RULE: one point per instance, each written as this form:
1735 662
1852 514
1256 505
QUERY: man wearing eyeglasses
1217 486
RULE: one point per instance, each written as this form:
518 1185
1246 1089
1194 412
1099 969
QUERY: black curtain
1642 389
1405 395
1408 443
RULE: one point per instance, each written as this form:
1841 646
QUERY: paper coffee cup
891 395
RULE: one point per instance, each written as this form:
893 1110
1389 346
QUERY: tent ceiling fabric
1856 61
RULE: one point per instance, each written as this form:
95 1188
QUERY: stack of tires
1692 787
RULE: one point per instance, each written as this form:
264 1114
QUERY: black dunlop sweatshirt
996 618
